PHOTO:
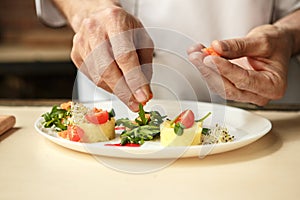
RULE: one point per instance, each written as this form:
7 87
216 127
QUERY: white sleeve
284 7
49 14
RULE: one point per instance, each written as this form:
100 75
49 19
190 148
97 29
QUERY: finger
211 77
257 82
114 78
222 86
75 53
82 45
128 61
144 48
79 53
107 75
248 46
145 57
197 57
76 57
105 70
195 48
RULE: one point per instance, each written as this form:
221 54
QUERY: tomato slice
210 51
187 118
75 133
99 117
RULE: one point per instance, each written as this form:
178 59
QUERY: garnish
57 118
178 128
111 113
210 51
203 118
143 128
182 121
142 120
205 131
215 135
127 123
139 134
185 120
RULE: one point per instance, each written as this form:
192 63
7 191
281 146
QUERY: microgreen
57 118
179 128
206 131
145 128
111 113
203 118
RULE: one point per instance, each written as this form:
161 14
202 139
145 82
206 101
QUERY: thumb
240 47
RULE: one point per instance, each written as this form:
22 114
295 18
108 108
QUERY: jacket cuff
49 14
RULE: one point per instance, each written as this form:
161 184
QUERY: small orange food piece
210 51
66 106
63 134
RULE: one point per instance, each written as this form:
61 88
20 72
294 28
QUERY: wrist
287 37
290 24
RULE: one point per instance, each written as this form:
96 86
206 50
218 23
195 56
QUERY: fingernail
195 58
209 62
195 55
133 105
191 49
140 95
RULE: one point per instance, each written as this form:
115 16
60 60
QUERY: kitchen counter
34 168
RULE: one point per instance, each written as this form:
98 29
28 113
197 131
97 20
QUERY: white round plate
245 126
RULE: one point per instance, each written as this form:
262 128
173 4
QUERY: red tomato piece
75 133
98 117
187 118
210 51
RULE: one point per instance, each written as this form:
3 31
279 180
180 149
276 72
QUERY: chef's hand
112 48
251 69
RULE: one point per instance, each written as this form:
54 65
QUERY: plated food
245 126
78 123
182 131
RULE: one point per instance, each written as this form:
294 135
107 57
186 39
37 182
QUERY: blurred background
34 59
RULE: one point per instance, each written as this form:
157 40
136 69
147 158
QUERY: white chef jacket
174 25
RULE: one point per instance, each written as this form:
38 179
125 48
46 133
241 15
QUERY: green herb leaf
155 118
143 120
111 113
179 128
57 118
205 131
140 134
145 129
126 122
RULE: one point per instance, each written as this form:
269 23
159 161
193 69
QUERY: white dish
245 126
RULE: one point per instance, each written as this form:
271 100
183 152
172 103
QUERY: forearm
77 10
291 24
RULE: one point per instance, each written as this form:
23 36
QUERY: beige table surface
31 167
